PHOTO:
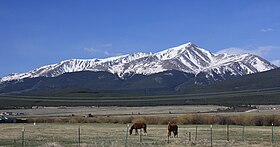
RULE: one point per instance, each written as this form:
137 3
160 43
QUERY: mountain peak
185 46
188 44
175 51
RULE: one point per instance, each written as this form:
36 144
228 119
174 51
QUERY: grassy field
113 135
231 98
113 111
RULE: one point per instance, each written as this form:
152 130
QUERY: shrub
258 120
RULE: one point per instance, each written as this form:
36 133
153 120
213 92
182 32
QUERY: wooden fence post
126 136
140 136
211 135
227 132
79 135
22 136
243 133
272 133
195 133
190 136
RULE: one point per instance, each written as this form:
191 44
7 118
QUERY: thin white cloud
270 53
266 30
260 51
90 49
276 62
101 49
107 45
101 52
232 51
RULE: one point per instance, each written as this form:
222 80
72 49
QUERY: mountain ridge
188 58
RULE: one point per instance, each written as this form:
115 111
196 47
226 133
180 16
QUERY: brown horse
137 126
172 127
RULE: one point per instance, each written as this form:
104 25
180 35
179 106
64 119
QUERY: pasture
114 135
113 111
264 96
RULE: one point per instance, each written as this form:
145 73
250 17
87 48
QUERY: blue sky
34 33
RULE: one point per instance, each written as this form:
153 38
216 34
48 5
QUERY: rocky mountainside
187 58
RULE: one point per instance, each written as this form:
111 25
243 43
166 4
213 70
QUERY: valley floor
112 111
137 111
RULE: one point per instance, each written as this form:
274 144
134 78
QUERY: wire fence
114 135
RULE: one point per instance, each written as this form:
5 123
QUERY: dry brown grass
255 120
113 135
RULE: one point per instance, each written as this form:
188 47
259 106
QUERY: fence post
79 135
190 136
272 133
243 133
211 135
140 136
227 132
22 136
195 133
126 136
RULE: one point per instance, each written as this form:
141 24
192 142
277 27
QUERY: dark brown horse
137 126
172 127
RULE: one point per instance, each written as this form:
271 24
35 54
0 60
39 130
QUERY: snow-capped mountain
188 58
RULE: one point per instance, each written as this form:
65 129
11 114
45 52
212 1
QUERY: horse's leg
130 131
168 133
145 132
136 131
175 133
